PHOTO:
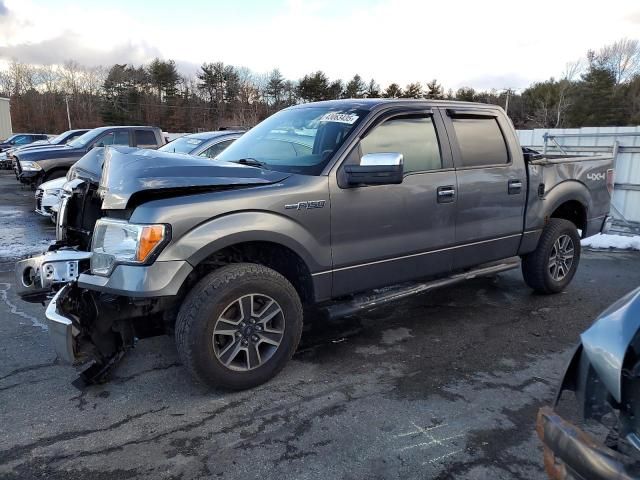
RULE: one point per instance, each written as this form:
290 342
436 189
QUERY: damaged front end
97 329
604 376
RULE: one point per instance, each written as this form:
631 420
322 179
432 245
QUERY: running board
390 294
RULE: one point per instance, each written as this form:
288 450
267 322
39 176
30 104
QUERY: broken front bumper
571 454
37 277
61 330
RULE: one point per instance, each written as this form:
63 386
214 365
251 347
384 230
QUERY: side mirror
376 169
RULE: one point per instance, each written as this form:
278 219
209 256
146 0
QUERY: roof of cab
374 103
214 134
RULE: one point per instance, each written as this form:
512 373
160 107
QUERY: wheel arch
276 256
570 200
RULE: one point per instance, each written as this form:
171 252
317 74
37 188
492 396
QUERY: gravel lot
444 385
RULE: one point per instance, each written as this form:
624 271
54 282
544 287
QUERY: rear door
491 192
384 234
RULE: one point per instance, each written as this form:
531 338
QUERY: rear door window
480 141
145 139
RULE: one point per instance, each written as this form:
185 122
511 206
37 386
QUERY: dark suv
43 164
19 139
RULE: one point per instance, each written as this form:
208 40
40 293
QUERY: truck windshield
186 144
84 139
299 140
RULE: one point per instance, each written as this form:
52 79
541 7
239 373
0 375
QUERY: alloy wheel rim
248 332
561 258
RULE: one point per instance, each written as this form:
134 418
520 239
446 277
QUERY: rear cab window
145 139
480 140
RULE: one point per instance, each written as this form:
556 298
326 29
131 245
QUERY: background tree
275 87
621 58
314 87
373 89
434 90
604 90
355 88
465 94
392 91
413 90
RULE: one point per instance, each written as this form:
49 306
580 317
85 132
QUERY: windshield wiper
252 162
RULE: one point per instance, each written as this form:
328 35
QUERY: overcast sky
483 44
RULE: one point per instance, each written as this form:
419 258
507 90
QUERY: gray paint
155 280
607 341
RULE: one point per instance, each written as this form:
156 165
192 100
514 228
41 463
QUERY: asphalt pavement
443 385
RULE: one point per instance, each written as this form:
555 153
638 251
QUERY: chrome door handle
514 187
446 194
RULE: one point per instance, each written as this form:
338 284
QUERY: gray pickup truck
319 205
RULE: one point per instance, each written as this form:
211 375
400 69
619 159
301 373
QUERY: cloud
70 46
478 44
633 17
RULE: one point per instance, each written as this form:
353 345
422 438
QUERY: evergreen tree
355 88
373 89
392 91
413 90
314 87
596 102
465 94
434 90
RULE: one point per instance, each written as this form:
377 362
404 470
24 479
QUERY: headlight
117 242
30 166
53 191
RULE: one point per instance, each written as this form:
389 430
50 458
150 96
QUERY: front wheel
552 265
239 326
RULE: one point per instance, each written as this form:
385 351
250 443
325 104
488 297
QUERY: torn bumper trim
36 277
61 330
570 453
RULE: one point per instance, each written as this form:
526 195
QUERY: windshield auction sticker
339 118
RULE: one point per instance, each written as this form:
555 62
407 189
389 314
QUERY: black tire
205 305
536 267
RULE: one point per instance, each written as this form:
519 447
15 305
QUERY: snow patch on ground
19 250
621 242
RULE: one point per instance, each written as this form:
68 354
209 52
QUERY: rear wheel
551 267
239 326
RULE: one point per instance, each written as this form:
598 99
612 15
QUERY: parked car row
20 140
40 164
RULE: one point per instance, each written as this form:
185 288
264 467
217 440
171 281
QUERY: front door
386 234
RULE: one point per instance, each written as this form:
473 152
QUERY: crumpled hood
127 173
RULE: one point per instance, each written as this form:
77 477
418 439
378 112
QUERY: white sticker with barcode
348 118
